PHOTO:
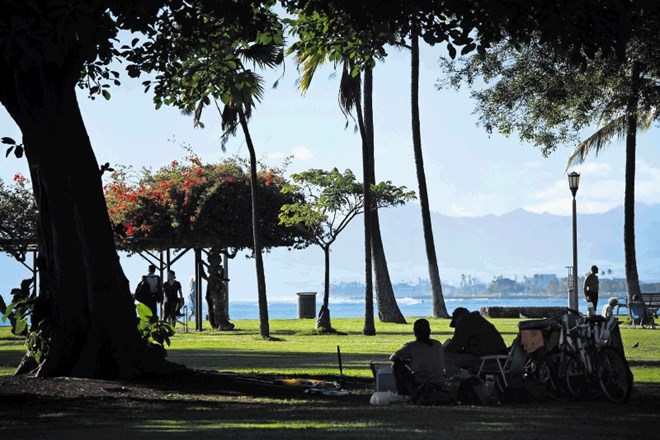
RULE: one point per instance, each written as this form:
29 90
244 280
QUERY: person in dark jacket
474 336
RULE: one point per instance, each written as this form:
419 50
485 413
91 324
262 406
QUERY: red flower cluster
168 201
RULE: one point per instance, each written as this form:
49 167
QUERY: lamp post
573 184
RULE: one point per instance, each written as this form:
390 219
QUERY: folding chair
639 315
494 364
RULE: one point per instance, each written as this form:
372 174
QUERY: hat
458 311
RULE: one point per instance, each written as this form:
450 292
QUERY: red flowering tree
190 204
18 217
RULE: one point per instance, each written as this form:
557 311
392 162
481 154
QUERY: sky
469 173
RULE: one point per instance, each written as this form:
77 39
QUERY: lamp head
573 182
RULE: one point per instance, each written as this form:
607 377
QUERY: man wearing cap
420 361
474 336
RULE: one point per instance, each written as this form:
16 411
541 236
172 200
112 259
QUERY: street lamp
573 184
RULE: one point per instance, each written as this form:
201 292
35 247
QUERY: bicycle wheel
574 377
547 373
613 375
539 377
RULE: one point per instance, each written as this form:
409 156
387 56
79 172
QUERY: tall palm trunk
369 328
264 327
438 301
632 277
388 309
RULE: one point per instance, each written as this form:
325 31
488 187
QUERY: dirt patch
184 382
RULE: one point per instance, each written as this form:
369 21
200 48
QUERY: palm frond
615 128
197 119
307 64
263 56
349 90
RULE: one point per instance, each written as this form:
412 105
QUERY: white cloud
533 165
455 210
565 207
554 206
597 169
303 153
647 183
600 190
556 190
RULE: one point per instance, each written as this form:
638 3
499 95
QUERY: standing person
418 362
591 285
155 288
143 295
172 296
474 336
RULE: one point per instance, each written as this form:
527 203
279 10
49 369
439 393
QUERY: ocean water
410 307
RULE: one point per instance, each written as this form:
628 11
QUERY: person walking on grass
173 297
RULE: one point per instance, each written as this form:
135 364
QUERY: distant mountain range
512 245
516 244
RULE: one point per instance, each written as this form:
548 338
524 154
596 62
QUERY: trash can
306 305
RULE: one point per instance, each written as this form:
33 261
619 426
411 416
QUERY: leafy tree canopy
331 200
192 204
538 92
579 28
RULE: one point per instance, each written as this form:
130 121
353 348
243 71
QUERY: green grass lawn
296 350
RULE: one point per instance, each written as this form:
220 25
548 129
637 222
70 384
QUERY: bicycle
587 358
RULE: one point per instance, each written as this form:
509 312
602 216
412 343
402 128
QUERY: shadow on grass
235 359
229 417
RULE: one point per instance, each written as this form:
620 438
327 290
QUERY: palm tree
626 125
308 59
351 98
242 89
439 309
388 309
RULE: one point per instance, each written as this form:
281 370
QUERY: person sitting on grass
418 362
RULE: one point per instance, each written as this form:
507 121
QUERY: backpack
432 394
473 391
142 293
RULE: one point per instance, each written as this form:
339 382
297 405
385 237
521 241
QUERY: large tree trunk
388 309
92 319
632 277
264 326
216 292
323 322
438 301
